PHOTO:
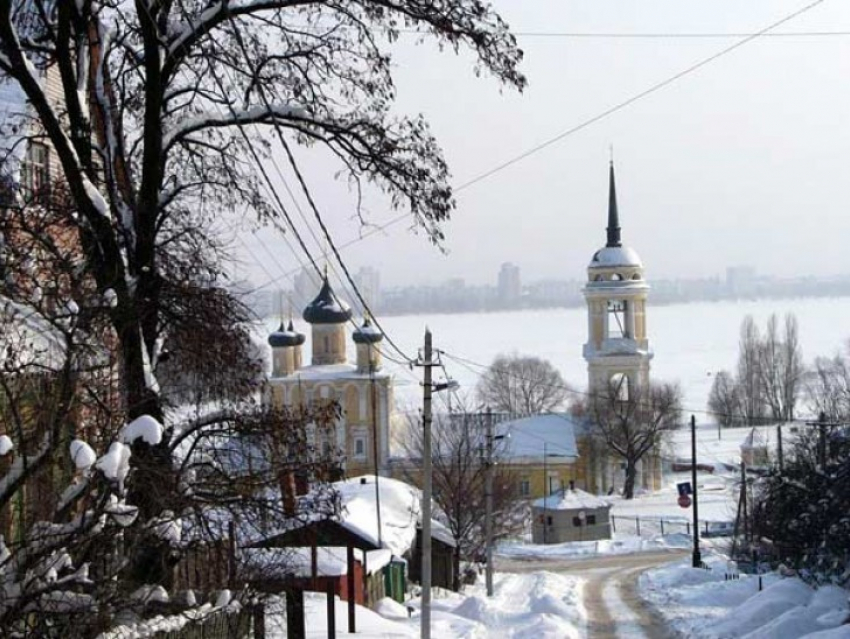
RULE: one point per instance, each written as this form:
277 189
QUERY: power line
638 96
747 37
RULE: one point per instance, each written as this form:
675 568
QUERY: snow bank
701 604
82 454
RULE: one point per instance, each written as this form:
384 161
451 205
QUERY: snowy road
614 607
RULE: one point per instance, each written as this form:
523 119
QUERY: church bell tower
617 348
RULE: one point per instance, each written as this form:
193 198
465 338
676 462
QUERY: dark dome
367 334
326 308
284 337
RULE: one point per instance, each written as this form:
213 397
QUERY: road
614 607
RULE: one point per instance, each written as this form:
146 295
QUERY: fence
246 623
651 526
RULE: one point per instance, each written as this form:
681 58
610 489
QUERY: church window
327 343
636 276
360 447
617 327
616 277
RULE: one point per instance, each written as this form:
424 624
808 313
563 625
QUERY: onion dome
299 337
367 334
284 337
326 308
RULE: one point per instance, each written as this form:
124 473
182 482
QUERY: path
614 607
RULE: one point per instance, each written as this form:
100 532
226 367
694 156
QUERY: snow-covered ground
539 604
703 604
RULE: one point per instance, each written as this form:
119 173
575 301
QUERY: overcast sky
744 161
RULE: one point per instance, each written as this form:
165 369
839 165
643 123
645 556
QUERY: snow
609 256
110 298
540 604
6 445
115 464
399 511
571 499
703 604
82 454
144 427
526 438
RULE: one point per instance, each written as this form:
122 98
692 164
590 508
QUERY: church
362 389
617 348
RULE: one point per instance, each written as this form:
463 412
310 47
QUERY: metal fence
652 526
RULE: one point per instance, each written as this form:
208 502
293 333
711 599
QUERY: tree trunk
631 478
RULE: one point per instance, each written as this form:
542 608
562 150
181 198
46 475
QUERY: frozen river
690 341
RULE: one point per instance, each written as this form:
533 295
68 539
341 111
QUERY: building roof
327 308
400 512
532 437
285 336
610 256
367 334
571 499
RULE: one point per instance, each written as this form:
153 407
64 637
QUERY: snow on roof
609 256
400 512
571 499
331 561
531 437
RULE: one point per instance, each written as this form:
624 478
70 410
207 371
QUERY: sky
742 162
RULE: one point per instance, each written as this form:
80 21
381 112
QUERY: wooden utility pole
488 497
426 488
697 557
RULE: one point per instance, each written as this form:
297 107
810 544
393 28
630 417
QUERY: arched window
636 276
619 385
617 327
616 277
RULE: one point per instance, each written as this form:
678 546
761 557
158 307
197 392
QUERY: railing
651 526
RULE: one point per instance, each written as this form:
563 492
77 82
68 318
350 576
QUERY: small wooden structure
570 515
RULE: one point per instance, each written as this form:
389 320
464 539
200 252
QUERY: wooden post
259 622
295 628
350 578
331 611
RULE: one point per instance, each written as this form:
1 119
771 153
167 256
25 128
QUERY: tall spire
613 216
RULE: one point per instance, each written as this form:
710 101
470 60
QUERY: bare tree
724 400
159 117
458 475
780 368
522 385
633 425
749 374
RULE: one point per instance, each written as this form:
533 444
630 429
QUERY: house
570 515
541 451
379 521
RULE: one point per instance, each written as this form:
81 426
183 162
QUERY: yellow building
363 389
617 347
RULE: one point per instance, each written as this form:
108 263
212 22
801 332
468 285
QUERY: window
576 522
554 484
591 520
360 447
548 520
35 172
524 488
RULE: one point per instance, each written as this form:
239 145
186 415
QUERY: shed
570 515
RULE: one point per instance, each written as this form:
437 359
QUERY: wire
638 96
765 32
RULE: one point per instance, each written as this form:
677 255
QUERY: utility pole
488 495
779 447
426 489
697 557
374 407
545 490
822 440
